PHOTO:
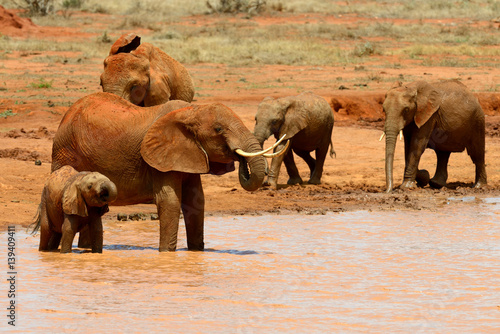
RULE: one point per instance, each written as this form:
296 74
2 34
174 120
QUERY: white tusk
272 155
248 155
382 137
401 135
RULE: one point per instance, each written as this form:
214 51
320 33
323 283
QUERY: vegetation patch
42 84
7 113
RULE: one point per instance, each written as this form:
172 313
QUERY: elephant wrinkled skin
157 154
144 75
444 116
307 121
70 201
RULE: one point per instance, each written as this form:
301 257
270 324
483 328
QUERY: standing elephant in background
70 202
444 116
144 75
307 122
158 153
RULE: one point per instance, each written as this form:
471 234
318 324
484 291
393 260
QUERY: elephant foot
479 184
423 178
294 180
436 183
271 183
314 181
408 184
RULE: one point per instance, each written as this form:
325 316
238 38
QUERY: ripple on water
357 271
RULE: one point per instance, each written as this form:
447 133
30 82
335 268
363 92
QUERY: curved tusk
401 135
248 155
272 155
382 137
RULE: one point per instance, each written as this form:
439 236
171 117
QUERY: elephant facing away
144 75
307 121
157 154
70 201
444 116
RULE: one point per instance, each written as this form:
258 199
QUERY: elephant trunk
261 134
108 192
390 147
252 170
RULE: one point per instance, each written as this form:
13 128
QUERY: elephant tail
35 227
332 150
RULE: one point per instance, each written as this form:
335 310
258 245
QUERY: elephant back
100 126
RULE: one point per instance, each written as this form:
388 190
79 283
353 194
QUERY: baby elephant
307 122
70 201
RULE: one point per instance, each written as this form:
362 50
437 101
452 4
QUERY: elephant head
88 190
278 117
204 139
406 105
143 74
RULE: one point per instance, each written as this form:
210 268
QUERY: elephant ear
295 118
159 75
72 201
428 102
169 145
125 44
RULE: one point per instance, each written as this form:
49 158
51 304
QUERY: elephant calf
70 201
307 122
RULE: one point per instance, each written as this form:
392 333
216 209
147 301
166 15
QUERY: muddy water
429 272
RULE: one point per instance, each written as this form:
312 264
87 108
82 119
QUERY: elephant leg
291 169
84 239
45 232
193 208
477 157
439 179
415 145
168 194
274 171
96 233
310 161
321 153
69 229
54 241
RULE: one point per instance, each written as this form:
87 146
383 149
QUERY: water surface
403 271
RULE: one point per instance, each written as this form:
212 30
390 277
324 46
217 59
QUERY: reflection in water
357 271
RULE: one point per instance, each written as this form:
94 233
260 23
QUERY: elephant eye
89 186
218 129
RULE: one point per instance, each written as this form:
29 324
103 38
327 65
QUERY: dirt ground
354 180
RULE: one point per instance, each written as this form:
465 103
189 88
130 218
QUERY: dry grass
244 42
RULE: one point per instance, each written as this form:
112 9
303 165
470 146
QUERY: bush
237 6
40 7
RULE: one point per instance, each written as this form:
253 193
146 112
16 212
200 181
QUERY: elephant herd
141 140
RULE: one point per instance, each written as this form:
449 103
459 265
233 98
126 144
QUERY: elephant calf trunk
108 192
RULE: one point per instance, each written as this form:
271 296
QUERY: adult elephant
144 75
444 116
306 121
157 154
